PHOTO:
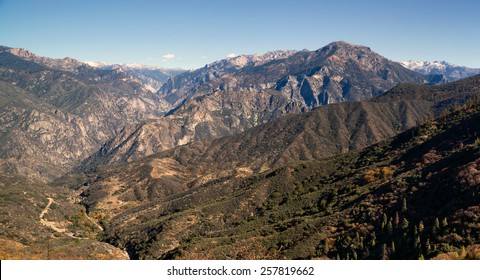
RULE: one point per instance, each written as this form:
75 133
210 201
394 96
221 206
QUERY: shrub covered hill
413 196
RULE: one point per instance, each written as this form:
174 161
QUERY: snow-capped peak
98 64
450 71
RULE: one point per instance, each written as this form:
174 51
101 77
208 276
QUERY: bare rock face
39 140
249 91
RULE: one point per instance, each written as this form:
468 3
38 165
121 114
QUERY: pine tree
393 248
389 227
405 224
404 205
421 226
463 252
444 223
436 226
418 243
384 252
427 245
367 253
397 219
384 221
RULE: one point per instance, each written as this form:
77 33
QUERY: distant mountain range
449 71
152 76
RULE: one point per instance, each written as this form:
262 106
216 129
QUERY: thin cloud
168 56
231 55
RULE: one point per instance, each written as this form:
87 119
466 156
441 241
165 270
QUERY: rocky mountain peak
343 47
341 52
65 64
21 53
71 60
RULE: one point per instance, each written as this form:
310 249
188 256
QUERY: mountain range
332 153
450 72
151 76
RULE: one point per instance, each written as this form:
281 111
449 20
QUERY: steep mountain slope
449 71
253 93
37 139
325 131
412 196
56 112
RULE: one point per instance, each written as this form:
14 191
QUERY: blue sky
189 34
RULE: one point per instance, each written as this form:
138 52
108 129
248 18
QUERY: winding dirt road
53 225
56 226
45 211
